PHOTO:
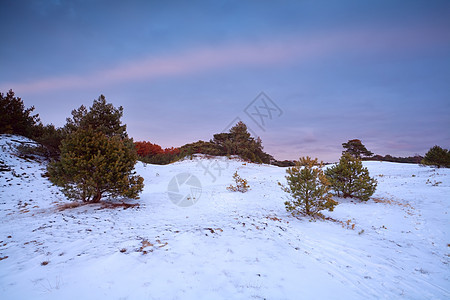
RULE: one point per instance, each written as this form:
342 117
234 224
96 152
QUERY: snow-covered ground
227 245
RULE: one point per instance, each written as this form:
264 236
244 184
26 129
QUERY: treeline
436 156
416 159
237 141
16 119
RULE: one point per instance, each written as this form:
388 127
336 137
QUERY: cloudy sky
328 71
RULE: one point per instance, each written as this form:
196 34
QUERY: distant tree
155 154
416 159
356 148
239 142
284 163
50 137
198 147
437 157
14 117
97 157
308 187
147 149
349 178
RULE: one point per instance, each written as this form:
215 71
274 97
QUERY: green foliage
199 147
283 163
437 157
14 118
160 158
308 187
50 138
239 142
101 116
356 148
416 159
97 157
349 178
93 165
241 184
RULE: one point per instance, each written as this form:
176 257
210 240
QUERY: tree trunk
97 197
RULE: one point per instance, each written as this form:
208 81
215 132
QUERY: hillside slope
227 245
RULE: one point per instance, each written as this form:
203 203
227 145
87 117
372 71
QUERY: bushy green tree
349 178
93 165
437 157
308 187
14 117
97 157
356 148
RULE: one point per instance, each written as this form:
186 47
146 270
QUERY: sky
305 76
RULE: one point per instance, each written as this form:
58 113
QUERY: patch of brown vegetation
212 230
393 202
116 205
70 205
273 218
345 224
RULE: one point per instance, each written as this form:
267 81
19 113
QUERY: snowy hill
226 245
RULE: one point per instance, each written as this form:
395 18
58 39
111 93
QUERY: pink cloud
270 52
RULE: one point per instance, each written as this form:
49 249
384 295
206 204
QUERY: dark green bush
349 178
437 157
14 117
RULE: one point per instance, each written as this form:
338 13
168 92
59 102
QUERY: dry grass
70 205
119 204
392 202
274 218
103 205
147 246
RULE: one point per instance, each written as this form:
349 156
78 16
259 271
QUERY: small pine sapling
241 184
308 187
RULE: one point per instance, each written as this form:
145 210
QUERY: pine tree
437 157
102 116
97 157
308 187
14 117
356 148
240 142
241 184
93 165
349 178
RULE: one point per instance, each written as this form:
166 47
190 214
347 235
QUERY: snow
226 245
